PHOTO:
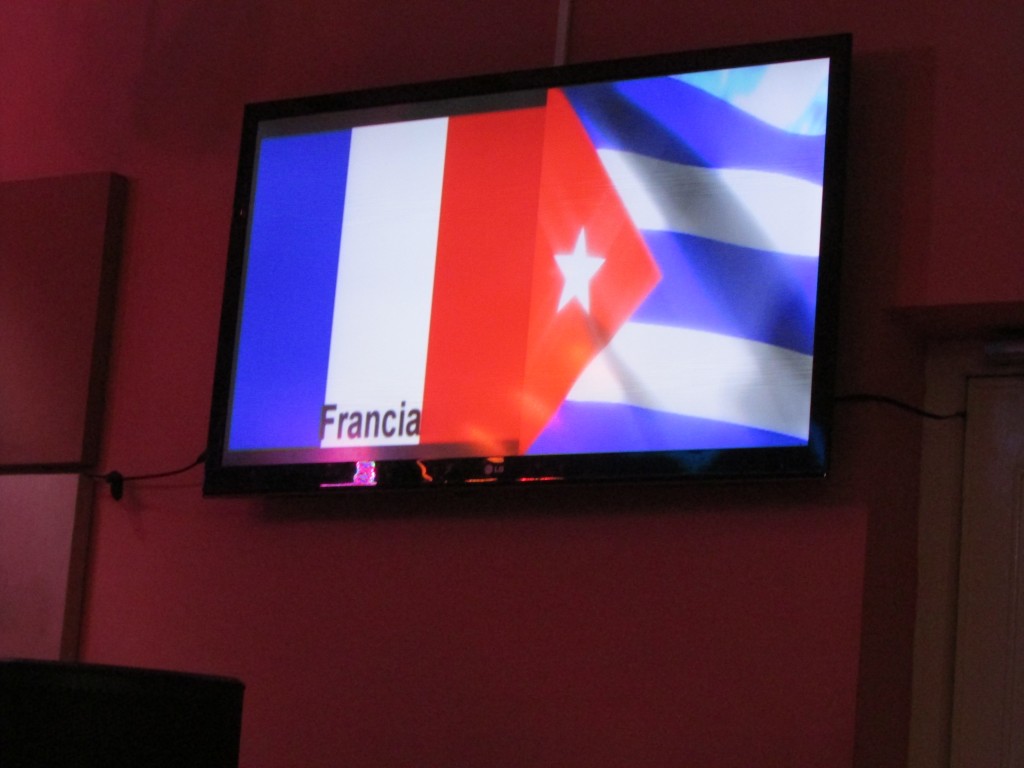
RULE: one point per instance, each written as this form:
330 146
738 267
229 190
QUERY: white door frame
950 367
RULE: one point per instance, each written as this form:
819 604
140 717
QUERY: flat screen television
623 270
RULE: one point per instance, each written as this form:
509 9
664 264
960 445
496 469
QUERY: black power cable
885 400
116 480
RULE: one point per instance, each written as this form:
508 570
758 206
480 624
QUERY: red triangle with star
576 196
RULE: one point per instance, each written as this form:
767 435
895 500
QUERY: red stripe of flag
481 299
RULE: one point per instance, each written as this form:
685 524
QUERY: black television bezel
812 460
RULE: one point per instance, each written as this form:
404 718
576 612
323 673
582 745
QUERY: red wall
711 626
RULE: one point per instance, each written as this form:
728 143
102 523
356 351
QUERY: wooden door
988 685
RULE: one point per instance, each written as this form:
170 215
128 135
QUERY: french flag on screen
609 292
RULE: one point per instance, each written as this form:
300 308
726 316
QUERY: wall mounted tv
623 270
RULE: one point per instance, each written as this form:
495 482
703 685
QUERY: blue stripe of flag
288 305
667 119
729 289
613 427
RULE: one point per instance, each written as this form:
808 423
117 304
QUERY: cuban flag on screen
622 267
721 173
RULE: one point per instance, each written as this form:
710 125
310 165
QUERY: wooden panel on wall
44 530
59 246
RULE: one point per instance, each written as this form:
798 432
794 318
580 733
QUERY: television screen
621 270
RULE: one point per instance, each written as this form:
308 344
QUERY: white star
578 268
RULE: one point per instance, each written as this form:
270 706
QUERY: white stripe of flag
755 209
702 374
385 284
